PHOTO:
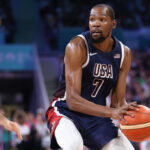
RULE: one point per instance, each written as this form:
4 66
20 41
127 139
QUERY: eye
102 19
92 19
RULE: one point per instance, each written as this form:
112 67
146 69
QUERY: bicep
73 76
73 68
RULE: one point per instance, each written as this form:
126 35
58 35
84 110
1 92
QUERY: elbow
71 101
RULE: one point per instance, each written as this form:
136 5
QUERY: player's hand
118 113
13 126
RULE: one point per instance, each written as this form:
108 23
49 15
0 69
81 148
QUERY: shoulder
76 48
126 57
127 51
76 42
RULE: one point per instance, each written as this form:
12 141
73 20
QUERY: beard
99 39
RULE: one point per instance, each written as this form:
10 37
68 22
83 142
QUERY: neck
106 45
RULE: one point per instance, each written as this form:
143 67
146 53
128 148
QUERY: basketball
138 128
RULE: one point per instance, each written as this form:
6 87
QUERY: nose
96 23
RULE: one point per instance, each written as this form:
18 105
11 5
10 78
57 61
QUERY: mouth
96 30
96 33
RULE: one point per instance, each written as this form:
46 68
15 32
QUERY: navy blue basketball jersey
99 75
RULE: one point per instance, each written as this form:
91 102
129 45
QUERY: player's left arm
118 92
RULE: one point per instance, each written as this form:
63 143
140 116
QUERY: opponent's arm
75 57
10 125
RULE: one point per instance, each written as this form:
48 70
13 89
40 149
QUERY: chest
105 67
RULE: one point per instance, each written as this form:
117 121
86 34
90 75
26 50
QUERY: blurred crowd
138 81
33 128
68 13
7 23
138 85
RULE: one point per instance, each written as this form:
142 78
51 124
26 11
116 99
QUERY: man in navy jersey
96 64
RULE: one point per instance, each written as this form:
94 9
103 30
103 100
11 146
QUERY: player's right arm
75 57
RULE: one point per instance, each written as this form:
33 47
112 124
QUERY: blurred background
33 36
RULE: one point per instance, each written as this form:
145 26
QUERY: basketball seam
139 126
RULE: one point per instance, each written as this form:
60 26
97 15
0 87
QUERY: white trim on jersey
55 108
88 58
122 51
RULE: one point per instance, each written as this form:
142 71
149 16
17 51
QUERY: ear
114 24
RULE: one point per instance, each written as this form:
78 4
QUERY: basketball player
10 125
95 63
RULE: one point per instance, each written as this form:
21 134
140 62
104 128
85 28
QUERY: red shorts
52 118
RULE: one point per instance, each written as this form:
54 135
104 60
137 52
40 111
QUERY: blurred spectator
25 131
30 136
33 129
42 130
6 20
1 132
4 134
31 120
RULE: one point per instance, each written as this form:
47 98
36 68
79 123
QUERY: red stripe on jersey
52 117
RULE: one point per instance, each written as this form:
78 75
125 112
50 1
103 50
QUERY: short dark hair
110 10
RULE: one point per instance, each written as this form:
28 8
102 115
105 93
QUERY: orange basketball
138 128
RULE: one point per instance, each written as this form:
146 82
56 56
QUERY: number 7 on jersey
98 84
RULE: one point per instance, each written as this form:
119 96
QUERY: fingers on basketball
138 127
